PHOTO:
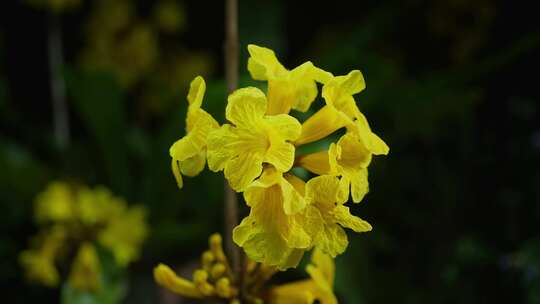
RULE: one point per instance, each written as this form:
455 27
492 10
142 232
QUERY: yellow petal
176 172
263 64
246 107
315 162
372 142
321 124
323 189
347 220
221 143
281 155
196 92
286 126
296 182
332 240
193 165
243 169
299 292
166 277
325 265
359 184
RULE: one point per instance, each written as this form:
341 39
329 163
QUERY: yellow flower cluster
75 221
258 147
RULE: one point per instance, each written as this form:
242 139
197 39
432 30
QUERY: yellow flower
241 148
340 109
86 269
189 153
125 234
54 204
319 287
38 262
325 194
349 158
294 89
279 227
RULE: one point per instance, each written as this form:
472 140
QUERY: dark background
451 87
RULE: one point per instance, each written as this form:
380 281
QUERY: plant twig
231 76
58 86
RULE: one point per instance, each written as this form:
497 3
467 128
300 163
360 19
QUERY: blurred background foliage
451 87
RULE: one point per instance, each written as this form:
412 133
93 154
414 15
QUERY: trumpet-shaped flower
189 153
280 224
318 287
325 194
340 109
241 148
294 89
86 269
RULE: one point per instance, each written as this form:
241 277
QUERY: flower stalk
231 77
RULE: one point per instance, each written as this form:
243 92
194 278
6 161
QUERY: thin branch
58 86
231 76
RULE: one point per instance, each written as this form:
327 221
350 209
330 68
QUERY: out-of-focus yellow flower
86 269
39 262
213 280
241 148
189 153
318 287
54 204
294 89
325 194
125 234
95 216
56 6
279 227
169 16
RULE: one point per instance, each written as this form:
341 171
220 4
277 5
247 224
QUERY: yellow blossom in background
125 234
189 153
169 16
77 218
56 6
241 148
319 287
54 204
39 261
85 271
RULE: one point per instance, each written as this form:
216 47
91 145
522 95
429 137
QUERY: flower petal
347 220
263 64
332 240
281 155
243 169
359 184
196 92
246 107
321 124
286 126
315 162
193 165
